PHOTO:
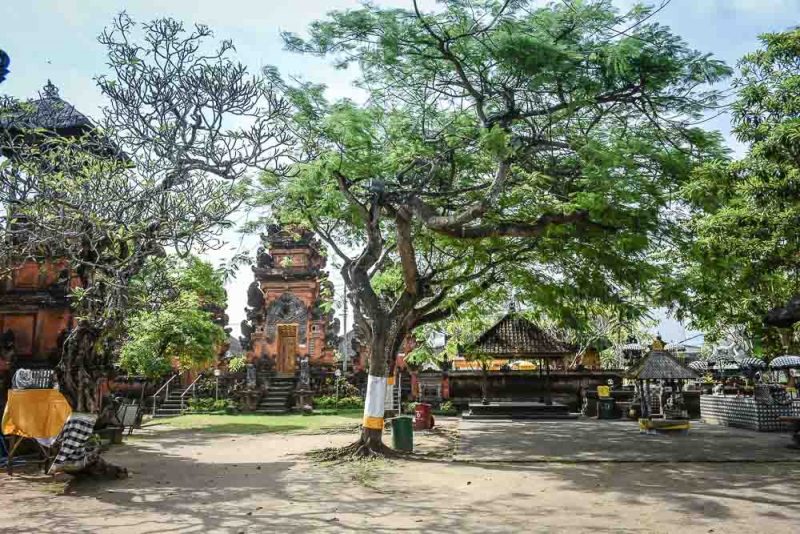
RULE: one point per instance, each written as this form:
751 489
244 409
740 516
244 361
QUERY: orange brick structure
35 316
287 316
35 309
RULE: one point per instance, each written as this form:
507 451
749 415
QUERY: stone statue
251 375
7 348
305 373
7 356
255 297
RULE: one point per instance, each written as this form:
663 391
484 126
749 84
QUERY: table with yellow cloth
35 413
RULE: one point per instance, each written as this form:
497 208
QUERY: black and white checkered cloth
74 437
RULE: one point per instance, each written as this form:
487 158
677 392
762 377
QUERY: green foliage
209 405
237 363
332 385
164 278
330 401
173 325
446 408
180 332
743 250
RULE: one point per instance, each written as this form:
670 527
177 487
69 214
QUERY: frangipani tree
500 143
163 169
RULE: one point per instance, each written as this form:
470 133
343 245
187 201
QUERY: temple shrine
288 315
514 361
35 313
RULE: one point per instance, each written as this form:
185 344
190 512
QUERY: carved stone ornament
287 309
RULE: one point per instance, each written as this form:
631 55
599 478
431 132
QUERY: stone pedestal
303 399
248 400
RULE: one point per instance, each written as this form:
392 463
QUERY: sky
56 40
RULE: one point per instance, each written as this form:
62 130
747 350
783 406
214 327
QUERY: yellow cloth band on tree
373 423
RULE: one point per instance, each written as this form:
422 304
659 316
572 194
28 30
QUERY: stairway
276 401
171 406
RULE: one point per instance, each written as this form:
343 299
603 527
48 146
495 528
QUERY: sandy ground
196 482
590 440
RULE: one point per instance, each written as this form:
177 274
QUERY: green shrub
409 407
237 363
446 408
329 401
331 385
208 404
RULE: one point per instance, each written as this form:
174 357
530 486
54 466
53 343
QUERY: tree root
359 450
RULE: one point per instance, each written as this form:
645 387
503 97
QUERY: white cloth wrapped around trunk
374 404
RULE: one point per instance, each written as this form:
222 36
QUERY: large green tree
744 256
500 143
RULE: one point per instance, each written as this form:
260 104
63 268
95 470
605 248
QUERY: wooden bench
794 425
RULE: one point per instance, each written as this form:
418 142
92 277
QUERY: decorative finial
50 90
658 343
5 62
512 302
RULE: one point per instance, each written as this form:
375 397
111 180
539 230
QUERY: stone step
551 417
272 412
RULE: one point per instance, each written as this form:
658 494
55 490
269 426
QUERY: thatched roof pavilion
661 365
515 337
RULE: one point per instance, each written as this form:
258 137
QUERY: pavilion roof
661 365
514 336
49 112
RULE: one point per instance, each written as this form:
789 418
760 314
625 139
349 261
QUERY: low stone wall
745 412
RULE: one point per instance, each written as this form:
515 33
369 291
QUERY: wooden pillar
541 381
548 390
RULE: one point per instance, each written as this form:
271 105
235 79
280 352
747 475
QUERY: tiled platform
744 412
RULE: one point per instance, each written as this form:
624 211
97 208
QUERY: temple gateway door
287 348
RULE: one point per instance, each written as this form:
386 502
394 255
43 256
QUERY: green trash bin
403 433
605 408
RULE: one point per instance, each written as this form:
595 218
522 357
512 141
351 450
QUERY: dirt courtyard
189 481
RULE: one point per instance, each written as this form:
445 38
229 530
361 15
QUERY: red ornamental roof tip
514 336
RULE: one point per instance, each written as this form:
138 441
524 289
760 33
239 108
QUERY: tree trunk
81 370
370 442
384 345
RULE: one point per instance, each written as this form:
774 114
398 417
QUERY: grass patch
261 424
